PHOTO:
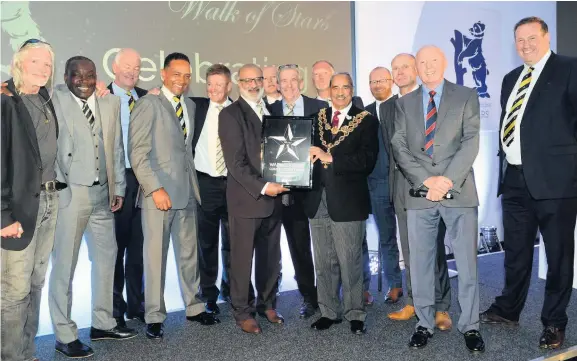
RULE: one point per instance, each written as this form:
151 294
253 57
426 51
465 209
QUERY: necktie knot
176 98
432 93
219 107
128 93
337 113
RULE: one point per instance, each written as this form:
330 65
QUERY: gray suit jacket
456 143
108 111
387 115
158 154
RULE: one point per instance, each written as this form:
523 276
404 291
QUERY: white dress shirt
91 101
342 115
513 151
168 94
205 151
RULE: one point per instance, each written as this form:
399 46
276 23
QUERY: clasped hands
438 186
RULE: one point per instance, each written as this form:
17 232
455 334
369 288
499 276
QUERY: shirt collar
168 94
297 101
412 90
346 110
120 91
438 89
379 102
271 99
80 101
226 103
541 63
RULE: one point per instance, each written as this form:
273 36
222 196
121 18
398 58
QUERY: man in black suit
211 171
538 168
294 219
323 70
254 210
344 154
127 220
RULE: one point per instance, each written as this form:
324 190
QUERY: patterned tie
431 124
514 112
180 115
291 109
130 101
335 121
219 165
88 114
260 109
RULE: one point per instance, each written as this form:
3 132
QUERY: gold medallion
334 130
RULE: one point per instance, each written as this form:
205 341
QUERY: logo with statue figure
469 56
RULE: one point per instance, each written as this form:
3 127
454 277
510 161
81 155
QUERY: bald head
381 83
126 68
404 68
431 65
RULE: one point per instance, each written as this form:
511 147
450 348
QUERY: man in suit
212 214
380 83
538 168
160 152
435 151
29 195
270 85
322 73
128 224
404 68
90 160
294 219
344 154
254 210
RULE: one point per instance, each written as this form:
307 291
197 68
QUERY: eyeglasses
288 66
32 41
380 81
250 80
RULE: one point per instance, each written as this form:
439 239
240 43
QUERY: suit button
37 195
422 149
66 173
434 164
70 154
96 157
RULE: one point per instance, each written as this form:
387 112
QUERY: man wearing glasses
381 82
254 210
294 219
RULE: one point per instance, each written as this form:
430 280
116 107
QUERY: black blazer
548 130
345 180
312 106
240 129
21 167
139 91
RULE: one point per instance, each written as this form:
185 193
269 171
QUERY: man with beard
253 206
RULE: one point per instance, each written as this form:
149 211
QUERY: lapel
190 112
249 114
200 114
541 84
416 104
388 118
25 119
99 120
446 99
110 88
372 108
308 106
506 90
71 110
168 106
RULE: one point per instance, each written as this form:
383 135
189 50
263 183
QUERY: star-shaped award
287 143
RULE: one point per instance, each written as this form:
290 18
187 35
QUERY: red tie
335 122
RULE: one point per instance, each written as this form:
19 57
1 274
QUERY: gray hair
349 77
288 67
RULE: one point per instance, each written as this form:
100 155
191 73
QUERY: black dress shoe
307 310
358 327
116 333
120 321
212 307
324 323
551 338
474 341
139 316
154 331
204 318
492 318
74 349
420 337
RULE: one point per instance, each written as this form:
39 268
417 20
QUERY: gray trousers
89 215
23 274
157 227
462 229
442 281
337 248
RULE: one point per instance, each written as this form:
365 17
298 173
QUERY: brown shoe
249 326
393 295
404 314
272 316
443 321
368 298
551 338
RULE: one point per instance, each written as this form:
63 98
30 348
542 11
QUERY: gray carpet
385 339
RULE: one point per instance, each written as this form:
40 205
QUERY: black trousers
129 264
212 216
522 217
260 236
296 226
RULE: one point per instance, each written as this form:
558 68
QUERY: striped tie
180 115
219 165
431 124
88 114
514 112
291 109
130 101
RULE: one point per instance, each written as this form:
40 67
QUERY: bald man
126 68
435 143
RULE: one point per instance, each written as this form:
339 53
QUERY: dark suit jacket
312 106
139 91
358 102
21 167
548 130
240 129
345 180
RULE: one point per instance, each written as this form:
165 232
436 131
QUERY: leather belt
199 173
53 186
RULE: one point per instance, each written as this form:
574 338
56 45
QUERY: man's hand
12 231
274 189
161 200
154 91
434 195
439 183
4 90
101 89
317 153
117 204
